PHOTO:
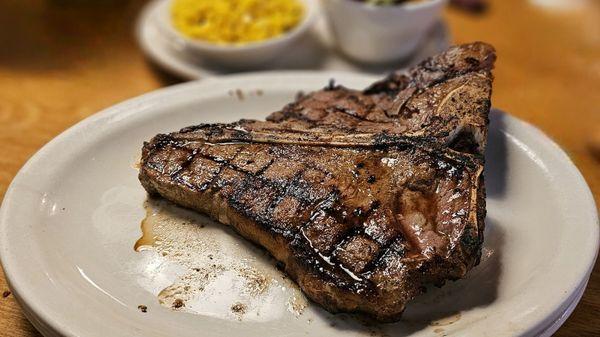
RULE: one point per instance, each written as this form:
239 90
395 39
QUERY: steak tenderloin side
446 97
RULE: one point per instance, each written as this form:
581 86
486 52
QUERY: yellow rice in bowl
235 21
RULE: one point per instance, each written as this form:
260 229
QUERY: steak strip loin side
361 227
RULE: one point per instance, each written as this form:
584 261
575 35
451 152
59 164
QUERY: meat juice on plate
218 274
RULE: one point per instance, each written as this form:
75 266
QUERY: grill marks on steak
361 227
363 196
445 97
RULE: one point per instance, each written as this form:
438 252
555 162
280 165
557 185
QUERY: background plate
71 216
314 52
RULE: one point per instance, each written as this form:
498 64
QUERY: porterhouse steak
362 214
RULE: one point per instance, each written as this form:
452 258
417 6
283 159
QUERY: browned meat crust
446 97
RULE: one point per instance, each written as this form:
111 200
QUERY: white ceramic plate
315 52
71 216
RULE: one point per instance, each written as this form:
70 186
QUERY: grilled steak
360 226
362 210
446 97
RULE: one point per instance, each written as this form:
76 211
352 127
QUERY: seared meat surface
360 227
362 212
446 97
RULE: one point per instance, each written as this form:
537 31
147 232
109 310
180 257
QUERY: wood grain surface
61 61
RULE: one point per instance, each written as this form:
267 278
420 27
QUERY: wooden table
61 61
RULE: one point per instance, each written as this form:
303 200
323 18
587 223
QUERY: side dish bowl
381 33
237 56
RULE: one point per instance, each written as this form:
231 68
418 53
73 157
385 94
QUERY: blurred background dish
384 31
314 50
226 44
235 22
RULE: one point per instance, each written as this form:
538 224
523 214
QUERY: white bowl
377 34
247 55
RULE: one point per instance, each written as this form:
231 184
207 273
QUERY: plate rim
134 105
142 23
